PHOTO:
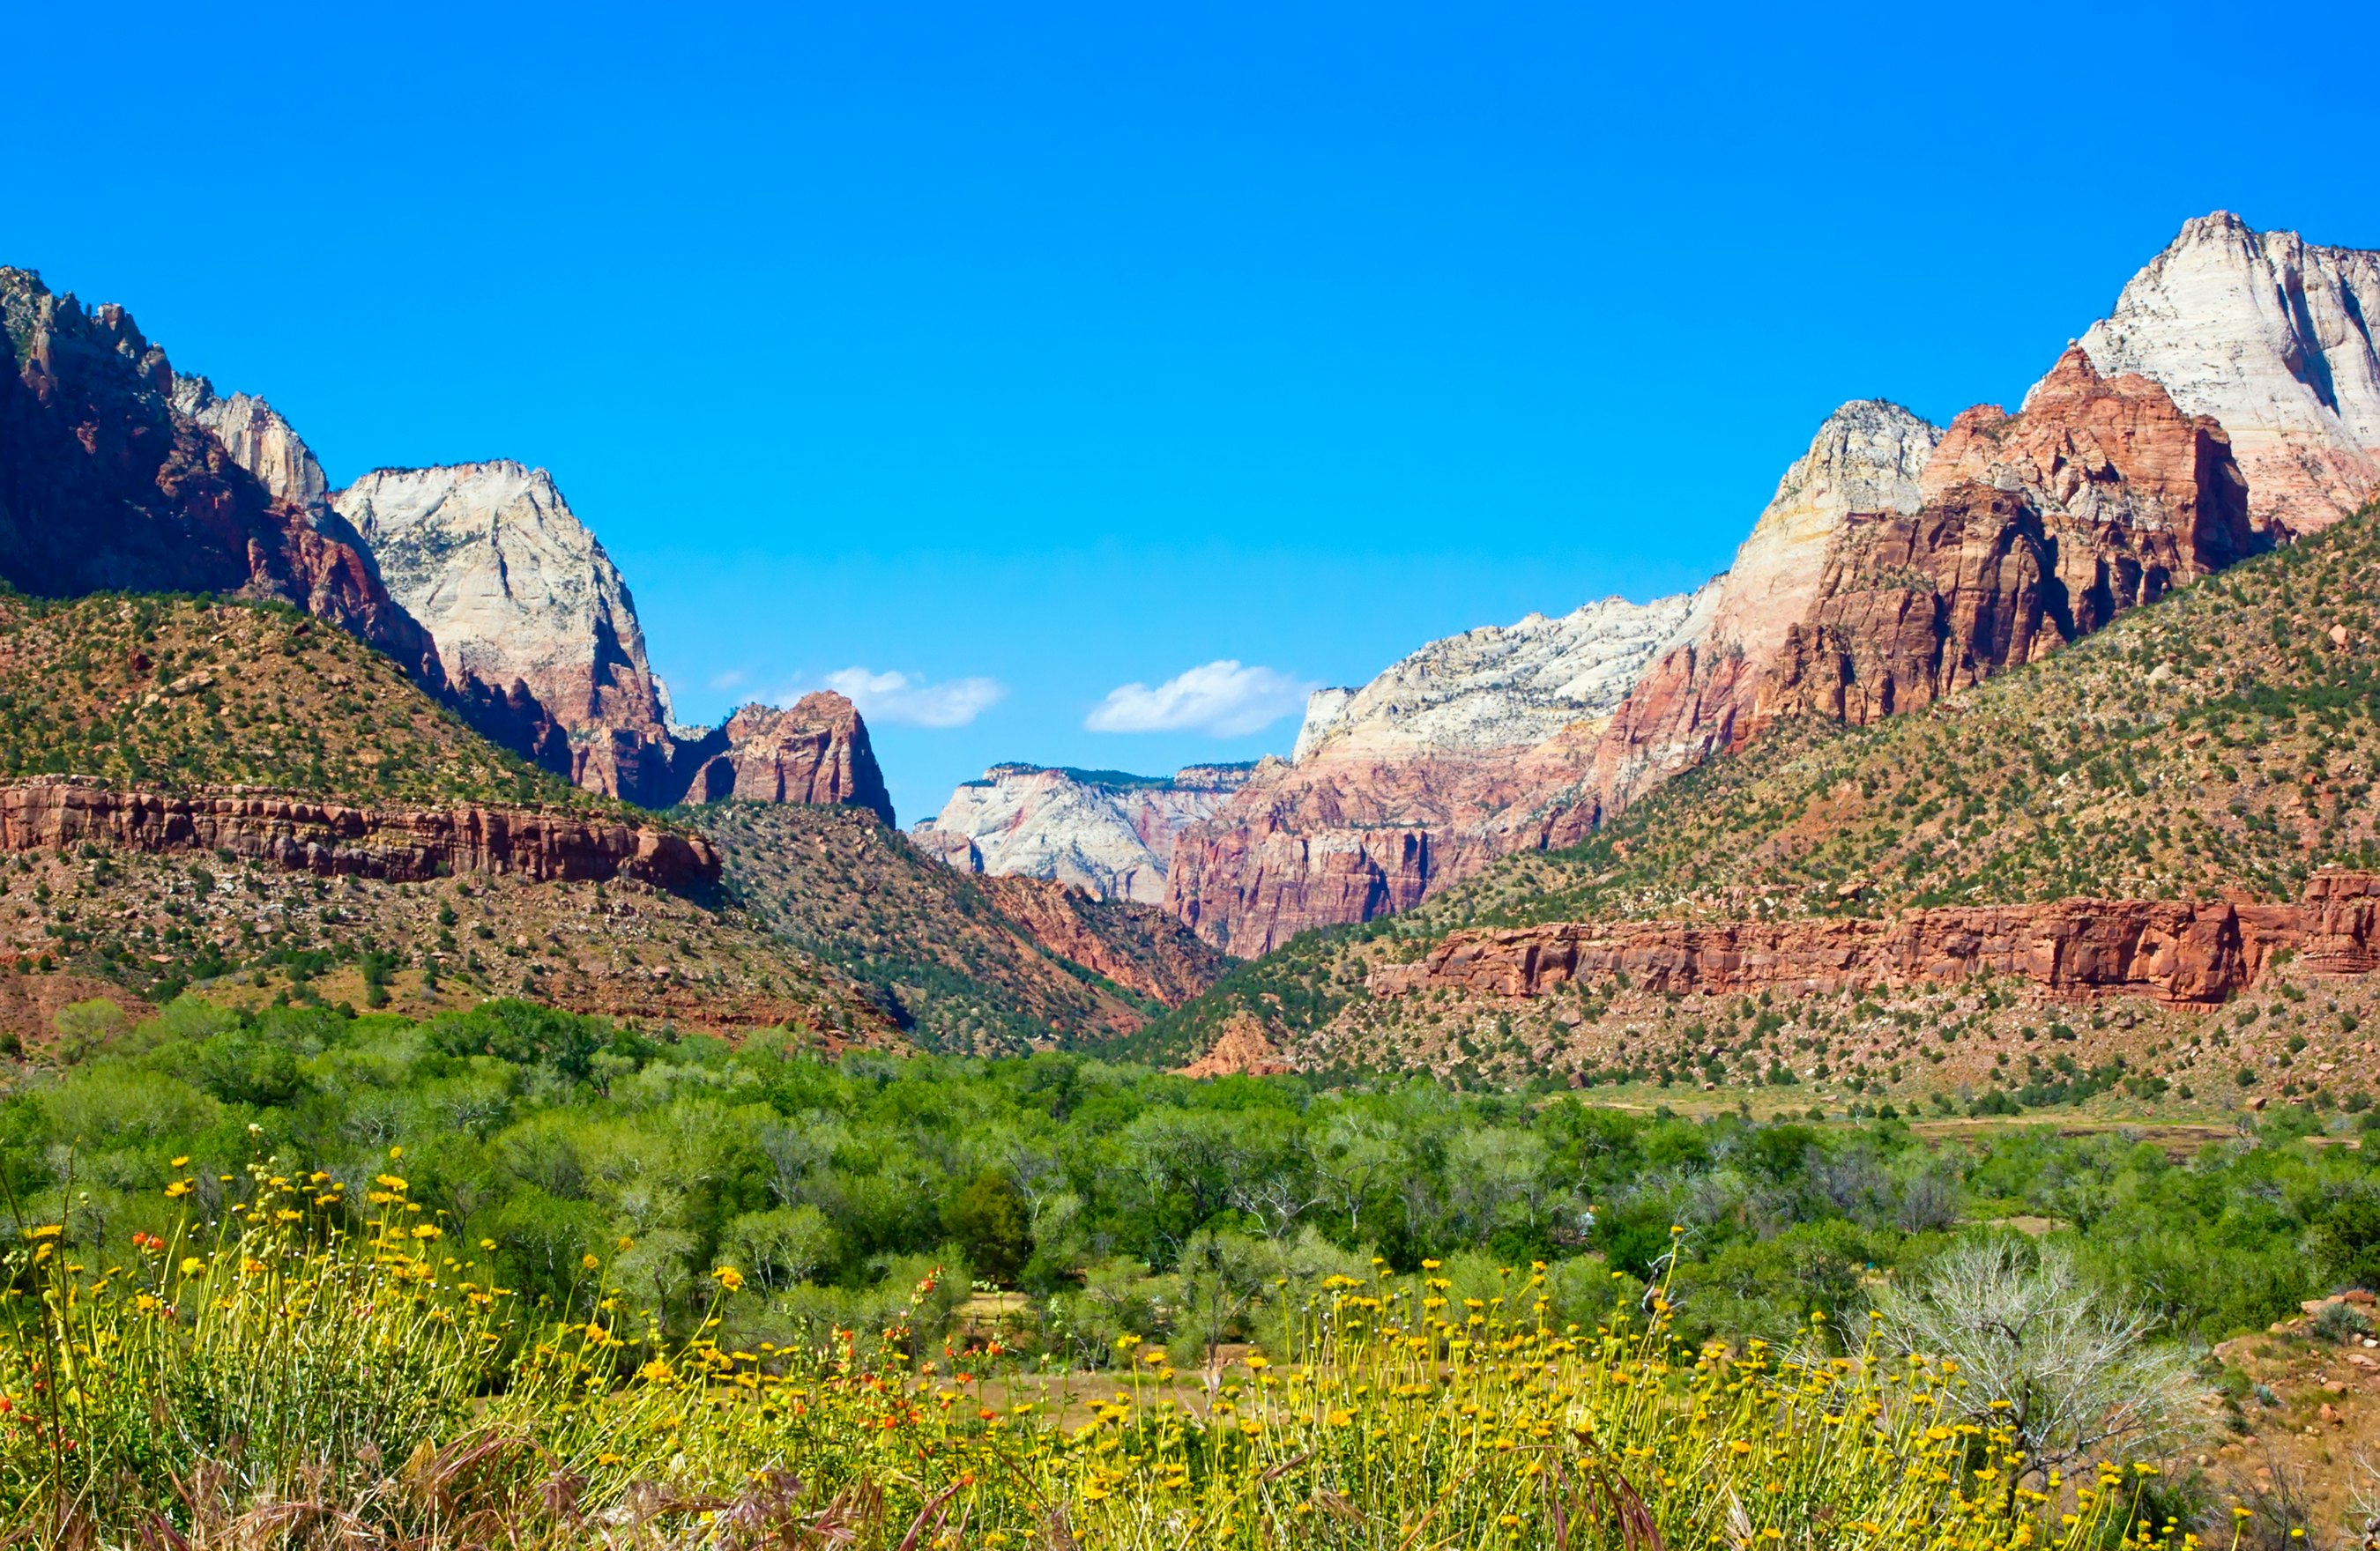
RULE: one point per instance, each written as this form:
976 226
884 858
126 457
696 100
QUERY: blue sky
1031 353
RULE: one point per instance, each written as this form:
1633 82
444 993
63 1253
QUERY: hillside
2217 744
177 694
2224 739
971 964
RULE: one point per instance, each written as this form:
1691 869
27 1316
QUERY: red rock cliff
401 845
2177 952
815 752
2037 529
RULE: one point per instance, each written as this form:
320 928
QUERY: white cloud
1222 697
898 698
727 680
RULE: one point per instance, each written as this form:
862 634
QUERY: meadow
513 1277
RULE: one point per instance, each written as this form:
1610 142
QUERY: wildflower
729 1278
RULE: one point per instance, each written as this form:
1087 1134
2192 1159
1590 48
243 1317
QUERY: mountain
2230 398
815 751
116 474
1421 775
2039 884
1473 747
235 793
2273 337
527 609
1106 832
199 783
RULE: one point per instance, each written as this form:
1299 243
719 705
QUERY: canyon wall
333 840
2194 952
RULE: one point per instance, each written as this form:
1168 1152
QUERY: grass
306 1369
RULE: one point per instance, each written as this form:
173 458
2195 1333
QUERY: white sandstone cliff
1106 833
1498 686
2272 335
517 591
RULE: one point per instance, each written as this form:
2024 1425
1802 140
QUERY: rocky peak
116 474
258 439
2037 529
2273 337
1107 832
527 609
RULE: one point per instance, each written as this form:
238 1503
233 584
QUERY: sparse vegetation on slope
174 694
965 973
2224 740
2227 738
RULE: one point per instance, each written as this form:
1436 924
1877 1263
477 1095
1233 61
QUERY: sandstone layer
2273 337
333 840
116 474
532 619
1105 832
2195 953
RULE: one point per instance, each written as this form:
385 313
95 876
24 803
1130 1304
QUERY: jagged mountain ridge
2273 337
119 473
112 476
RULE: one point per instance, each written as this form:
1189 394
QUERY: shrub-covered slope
172 694
961 962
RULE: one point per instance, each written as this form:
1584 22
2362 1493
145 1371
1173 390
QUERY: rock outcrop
2034 530
117 475
536 627
2181 953
1498 686
817 751
1105 832
333 840
2273 337
1241 1049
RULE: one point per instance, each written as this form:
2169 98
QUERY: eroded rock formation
537 628
815 751
2197 952
333 840
2034 530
